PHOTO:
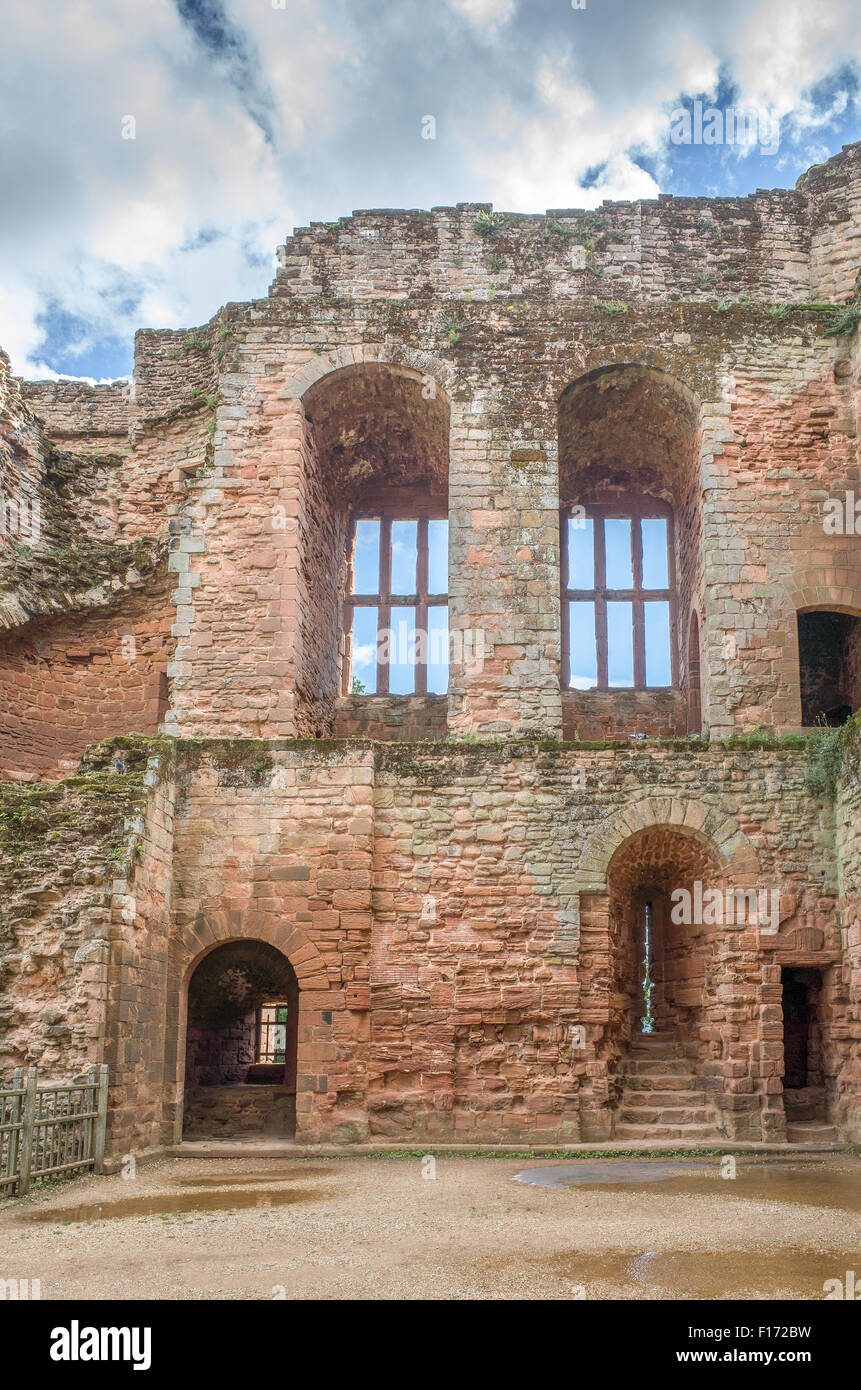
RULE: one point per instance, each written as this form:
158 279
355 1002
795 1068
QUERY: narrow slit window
618 597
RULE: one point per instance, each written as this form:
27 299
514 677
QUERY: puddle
176 1202
711 1274
592 1174
816 1186
247 1179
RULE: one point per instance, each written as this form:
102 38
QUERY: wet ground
807 1184
479 1228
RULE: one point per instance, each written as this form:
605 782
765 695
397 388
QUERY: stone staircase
661 1098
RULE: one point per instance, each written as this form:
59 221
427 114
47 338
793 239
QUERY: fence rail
48 1130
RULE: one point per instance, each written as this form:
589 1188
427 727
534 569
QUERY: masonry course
454 879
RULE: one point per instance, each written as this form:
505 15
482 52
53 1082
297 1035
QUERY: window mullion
348 613
384 612
600 599
421 657
639 633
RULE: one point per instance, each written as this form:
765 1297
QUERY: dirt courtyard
386 1228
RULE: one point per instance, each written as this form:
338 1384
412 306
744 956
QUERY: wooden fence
49 1130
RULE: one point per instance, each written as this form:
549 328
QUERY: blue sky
153 156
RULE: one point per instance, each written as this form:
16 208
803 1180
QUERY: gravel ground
376 1228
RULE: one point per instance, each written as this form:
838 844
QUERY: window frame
635 510
266 1025
387 508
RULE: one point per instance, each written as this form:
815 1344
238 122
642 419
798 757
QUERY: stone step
659 1066
642 1081
811 1132
679 1131
654 1046
654 1098
666 1115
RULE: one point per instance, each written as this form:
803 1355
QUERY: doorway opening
660 955
803 1070
829 649
803 1078
241 1043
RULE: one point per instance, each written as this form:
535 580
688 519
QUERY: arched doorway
659 880
661 883
241 1044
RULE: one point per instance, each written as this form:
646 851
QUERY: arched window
628 473
396 608
378 555
619 596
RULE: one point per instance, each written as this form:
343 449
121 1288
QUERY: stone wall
848 1083
67 681
61 848
451 883
449 915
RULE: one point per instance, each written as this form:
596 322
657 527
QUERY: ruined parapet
77 411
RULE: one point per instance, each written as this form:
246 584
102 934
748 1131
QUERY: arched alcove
630 540
241 1043
662 933
376 563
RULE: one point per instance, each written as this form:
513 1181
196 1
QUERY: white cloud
485 14
316 109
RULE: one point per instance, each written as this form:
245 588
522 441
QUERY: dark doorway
796 1030
241 1043
801 993
829 651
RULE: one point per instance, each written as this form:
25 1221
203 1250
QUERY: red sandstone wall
140 1039
393 718
848 1082
445 911
68 682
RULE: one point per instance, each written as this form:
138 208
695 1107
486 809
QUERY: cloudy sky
250 117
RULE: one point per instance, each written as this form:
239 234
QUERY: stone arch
716 831
829 581
396 355
197 940
812 589
241 1051
600 428
215 929
643 362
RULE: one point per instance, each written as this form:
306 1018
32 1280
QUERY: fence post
101 1121
29 1120
15 1119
